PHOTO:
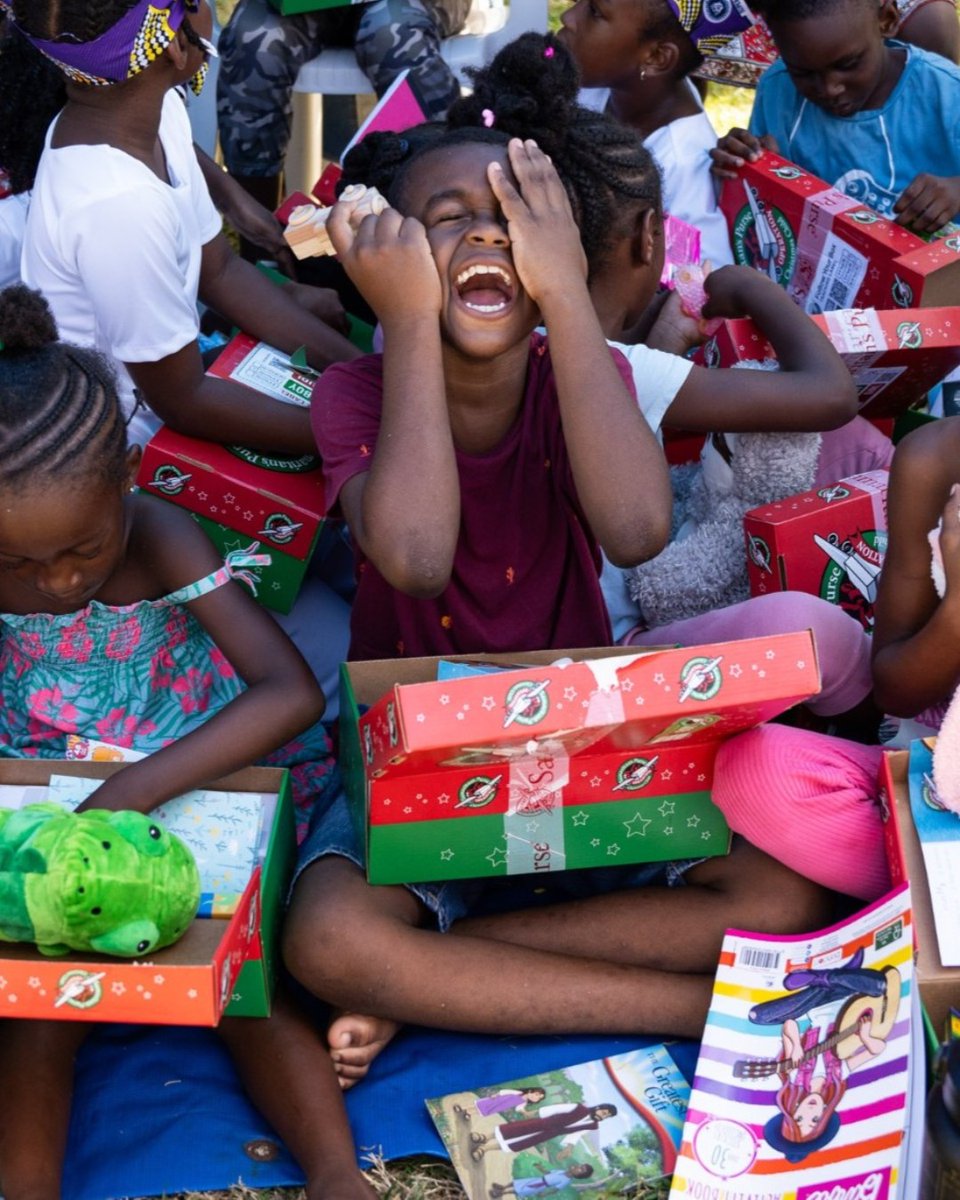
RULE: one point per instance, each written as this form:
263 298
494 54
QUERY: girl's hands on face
389 259
545 241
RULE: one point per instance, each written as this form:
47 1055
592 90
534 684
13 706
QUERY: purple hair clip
489 117
548 52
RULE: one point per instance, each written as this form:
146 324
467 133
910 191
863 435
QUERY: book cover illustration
596 1128
802 1083
939 832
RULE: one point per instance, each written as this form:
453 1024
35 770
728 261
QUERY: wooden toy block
306 233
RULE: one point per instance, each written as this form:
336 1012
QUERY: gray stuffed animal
704 567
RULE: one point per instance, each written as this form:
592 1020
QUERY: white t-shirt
13 221
658 377
116 251
682 152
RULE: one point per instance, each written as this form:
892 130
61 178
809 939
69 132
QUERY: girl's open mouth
485 288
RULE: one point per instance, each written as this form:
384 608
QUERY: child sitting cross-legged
874 117
481 466
120 623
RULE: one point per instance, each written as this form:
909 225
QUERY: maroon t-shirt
526 569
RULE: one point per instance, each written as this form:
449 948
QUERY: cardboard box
939 985
827 249
217 967
447 779
274 500
828 542
894 355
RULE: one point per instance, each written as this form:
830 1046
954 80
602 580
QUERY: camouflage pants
262 51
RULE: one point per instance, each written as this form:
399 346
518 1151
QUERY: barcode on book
758 960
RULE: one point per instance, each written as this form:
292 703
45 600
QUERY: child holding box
479 465
878 119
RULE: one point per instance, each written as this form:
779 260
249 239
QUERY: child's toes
355 1040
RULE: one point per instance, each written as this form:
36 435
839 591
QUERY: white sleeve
209 222
125 248
658 377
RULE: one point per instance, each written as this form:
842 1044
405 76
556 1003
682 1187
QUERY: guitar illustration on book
876 1014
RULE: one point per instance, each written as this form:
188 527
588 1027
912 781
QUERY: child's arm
247 216
812 391
737 148
282 697
916 640
929 202
199 405
405 511
618 467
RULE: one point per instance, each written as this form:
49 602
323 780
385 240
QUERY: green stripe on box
606 834
278 584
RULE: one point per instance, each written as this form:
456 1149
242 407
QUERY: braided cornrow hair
530 90
59 411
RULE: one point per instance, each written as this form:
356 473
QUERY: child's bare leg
36 1091
286 1069
355 1040
632 962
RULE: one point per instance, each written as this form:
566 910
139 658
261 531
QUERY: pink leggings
810 801
843 647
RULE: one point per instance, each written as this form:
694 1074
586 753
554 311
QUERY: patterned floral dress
137 676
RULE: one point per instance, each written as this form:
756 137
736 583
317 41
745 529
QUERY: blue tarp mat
160 1110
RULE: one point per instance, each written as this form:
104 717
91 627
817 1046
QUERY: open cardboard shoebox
219 967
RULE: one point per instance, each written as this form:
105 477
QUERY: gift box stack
599 762
240 497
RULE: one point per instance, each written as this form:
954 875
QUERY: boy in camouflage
262 51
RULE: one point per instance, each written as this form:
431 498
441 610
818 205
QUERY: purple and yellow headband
710 24
128 47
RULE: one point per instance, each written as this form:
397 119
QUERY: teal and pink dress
137 676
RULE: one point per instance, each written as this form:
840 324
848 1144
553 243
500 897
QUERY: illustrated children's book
939 832
597 1128
803 1083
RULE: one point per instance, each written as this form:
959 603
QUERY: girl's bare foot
355 1041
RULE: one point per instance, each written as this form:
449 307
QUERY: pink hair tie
548 53
488 117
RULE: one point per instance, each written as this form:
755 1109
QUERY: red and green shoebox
494 774
827 249
219 967
894 355
829 542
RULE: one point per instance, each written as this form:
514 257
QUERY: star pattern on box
497 858
580 818
706 835
446 855
693 821
668 831
636 826
736 671
667 808
488 703
569 693
613 850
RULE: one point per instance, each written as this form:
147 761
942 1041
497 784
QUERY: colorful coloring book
803 1085
597 1128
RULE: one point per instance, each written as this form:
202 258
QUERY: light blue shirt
876 153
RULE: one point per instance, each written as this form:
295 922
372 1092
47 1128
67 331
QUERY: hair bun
530 87
26 322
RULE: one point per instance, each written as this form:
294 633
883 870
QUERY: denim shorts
332 832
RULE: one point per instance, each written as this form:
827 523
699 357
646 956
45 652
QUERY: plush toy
113 882
704 566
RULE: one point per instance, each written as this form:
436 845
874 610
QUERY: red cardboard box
828 250
894 355
829 542
217 967
547 767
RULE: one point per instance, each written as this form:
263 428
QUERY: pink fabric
526 570
810 801
843 647
853 448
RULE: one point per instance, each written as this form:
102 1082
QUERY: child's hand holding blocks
306 233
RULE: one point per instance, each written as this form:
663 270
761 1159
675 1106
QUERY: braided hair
59 411
530 91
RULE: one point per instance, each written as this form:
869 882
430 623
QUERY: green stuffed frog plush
114 882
